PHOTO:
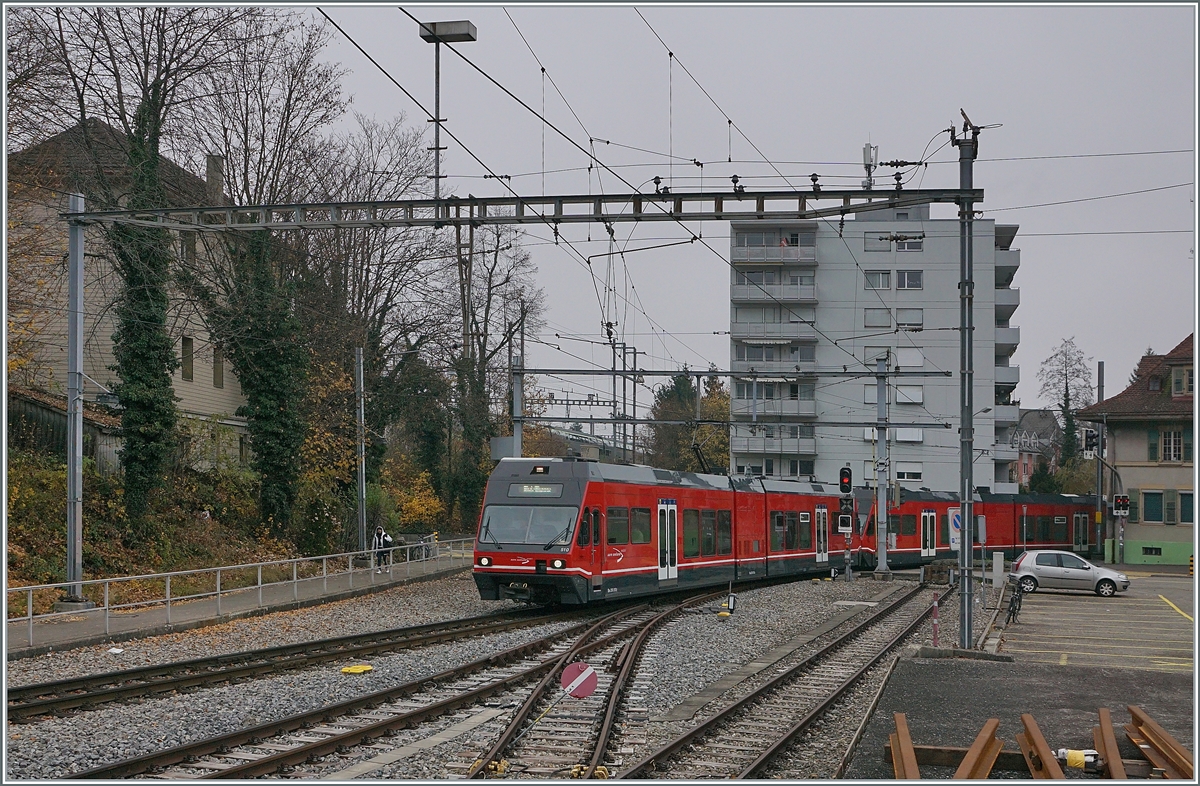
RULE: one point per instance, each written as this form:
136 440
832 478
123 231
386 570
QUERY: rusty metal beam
1106 745
1179 757
981 756
1038 755
904 758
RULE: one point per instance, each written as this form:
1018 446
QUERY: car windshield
527 524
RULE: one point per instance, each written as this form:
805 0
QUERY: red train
572 531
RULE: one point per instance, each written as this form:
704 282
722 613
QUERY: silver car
1064 570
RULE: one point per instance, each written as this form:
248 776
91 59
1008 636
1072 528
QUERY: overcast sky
811 85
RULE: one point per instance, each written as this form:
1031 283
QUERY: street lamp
438 33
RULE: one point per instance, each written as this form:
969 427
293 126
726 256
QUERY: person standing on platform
381 544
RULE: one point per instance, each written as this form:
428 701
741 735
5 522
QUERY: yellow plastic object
722 613
358 668
828 579
1075 759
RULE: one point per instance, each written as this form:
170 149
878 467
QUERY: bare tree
1066 376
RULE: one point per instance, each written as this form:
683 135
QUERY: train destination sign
535 489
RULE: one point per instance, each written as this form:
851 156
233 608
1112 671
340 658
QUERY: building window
910 317
910 245
901 216
1186 516
187 358
1151 551
802 279
910 394
877 318
910 357
803 391
802 314
871 393
756 314
1152 506
1155 383
909 435
878 279
804 353
756 239
908 470
908 279
763 277
1181 381
876 242
1172 446
218 368
872 354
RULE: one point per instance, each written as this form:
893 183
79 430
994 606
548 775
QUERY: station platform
87 628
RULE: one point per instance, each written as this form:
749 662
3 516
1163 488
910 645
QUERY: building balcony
1004 453
1007 263
791 330
1007 301
801 446
786 293
1008 376
1007 414
774 254
740 407
1007 339
750 367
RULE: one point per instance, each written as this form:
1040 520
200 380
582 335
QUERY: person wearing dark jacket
381 543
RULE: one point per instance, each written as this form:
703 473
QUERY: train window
893 524
870 533
708 532
596 526
691 533
1060 529
639 526
618 526
944 530
724 532
776 530
1043 528
908 524
791 535
583 538
805 530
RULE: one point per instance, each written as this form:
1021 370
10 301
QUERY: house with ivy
1150 444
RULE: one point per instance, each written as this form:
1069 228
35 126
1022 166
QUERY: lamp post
438 33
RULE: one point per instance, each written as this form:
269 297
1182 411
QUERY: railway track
29 701
557 742
743 739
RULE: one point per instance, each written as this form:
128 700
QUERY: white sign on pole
955 527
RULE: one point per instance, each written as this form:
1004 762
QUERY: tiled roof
1138 401
92 413
64 161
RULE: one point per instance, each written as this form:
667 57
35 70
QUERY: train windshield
527 524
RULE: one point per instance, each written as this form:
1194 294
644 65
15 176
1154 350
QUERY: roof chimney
214 180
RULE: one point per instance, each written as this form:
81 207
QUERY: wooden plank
948 756
1106 743
1179 756
904 764
1042 763
978 761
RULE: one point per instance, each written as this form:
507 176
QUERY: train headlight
485 561
558 564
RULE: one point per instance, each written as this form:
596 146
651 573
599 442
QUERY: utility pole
881 465
1098 529
968 150
518 393
75 405
437 33
362 450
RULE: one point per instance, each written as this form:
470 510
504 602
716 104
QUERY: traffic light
845 480
1091 439
1120 505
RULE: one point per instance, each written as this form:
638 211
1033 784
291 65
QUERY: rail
247 577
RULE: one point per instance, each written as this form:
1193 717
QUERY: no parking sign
955 527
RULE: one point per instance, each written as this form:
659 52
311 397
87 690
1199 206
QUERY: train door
668 542
596 556
1080 542
822 534
928 533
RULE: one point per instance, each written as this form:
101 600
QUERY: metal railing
228 580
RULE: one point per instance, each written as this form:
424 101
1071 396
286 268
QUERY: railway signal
1121 505
845 480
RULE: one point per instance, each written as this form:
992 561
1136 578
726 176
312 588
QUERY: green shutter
1152 442
1187 443
1170 497
1134 500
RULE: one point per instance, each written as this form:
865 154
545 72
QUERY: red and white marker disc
579 680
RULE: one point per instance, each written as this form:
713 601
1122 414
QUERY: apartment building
813 300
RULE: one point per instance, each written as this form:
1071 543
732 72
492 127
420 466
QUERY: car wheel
1028 584
1106 589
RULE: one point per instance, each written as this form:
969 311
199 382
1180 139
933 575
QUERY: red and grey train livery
576 532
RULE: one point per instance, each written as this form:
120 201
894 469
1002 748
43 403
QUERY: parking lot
1148 627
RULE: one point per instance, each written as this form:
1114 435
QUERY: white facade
808 302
